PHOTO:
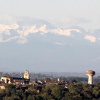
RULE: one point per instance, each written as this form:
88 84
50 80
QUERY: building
26 74
16 80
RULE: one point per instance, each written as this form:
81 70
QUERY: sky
62 34
61 13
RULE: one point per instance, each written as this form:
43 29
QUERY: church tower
26 74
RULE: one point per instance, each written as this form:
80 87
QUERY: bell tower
26 74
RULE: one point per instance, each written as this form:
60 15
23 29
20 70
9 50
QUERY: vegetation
75 91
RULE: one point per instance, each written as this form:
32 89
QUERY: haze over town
49 35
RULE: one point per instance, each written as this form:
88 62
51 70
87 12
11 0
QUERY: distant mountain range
36 45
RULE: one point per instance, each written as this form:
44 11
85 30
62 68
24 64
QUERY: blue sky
49 35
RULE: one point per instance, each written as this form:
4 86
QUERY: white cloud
33 29
59 43
26 30
61 32
10 39
6 28
91 38
20 39
43 29
14 26
64 32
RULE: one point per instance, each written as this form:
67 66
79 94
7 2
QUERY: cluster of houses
14 80
26 81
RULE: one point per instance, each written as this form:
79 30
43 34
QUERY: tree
87 92
57 91
68 96
13 97
10 89
96 90
29 97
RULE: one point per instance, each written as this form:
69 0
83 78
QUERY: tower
26 74
90 74
58 79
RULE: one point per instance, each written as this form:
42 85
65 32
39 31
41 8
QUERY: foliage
75 91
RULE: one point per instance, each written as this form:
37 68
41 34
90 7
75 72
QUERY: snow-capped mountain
37 45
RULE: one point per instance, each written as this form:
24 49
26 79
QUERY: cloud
59 43
43 29
91 38
33 29
61 32
10 39
5 28
64 32
20 40
26 30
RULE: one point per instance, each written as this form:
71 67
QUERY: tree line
74 91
